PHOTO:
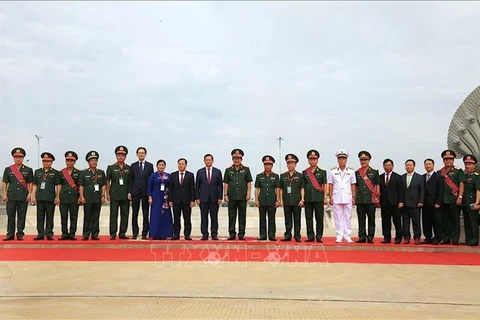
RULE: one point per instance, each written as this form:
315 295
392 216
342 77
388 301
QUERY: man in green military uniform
367 198
92 183
471 200
454 179
316 196
237 187
118 176
16 192
292 194
69 195
46 194
267 198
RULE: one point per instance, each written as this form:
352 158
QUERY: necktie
388 179
181 178
428 176
208 175
409 179
141 167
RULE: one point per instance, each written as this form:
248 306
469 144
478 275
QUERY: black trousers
18 210
178 209
364 211
91 219
65 210
136 200
432 219
414 214
292 213
45 211
238 207
124 206
390 213
470 219
310 207
450 222
207 208
267 212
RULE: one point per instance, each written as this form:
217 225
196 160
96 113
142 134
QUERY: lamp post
38 149
280 152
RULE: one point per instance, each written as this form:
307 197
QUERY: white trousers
342 213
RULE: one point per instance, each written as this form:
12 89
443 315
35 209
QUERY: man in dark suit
412 201
431 212
137 191
209 194
181 192
391 192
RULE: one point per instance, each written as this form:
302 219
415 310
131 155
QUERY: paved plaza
231 290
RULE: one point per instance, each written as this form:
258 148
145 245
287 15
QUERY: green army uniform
267 198
46 182
365 206
291 196
17 197
450 211
470 216
92 182
314 201
119 178
69 199
237 180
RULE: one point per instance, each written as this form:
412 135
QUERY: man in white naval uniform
341 180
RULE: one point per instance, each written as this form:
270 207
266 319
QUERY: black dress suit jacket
433 189
415 193
209 192
391 195
139 180
181 194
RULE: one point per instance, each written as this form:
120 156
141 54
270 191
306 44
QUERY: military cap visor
18 152
364 155
70 155
237 153
313 154
291 158
91 155
268 159
448 154
47 156
121 149
469 159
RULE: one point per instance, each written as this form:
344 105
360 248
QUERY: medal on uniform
289 189
96 187
120 181
162 187
42 185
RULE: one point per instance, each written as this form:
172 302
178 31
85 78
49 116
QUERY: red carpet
234 251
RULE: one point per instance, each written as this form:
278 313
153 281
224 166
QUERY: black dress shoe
214 238
310 240
386 241
95 238
175 238
205 238
231 238
435 243
261 239
49 238
124 237
398 241
361 241
9 238
370 240
319 240
272 239
112 237
445 242
84 239
298 240
242 238
38 238
134 237
145 238
63 238
416 242
286 239
72 238
406 241
455 243
20 238
188 238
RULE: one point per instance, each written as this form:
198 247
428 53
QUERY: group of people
434 200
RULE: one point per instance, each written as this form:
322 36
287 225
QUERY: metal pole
280 152
38 149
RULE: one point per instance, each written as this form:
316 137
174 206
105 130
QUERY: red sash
450 182
69 179
314 180
370 186
19 176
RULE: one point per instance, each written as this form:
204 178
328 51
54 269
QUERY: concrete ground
226 290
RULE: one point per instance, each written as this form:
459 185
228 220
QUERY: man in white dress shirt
341 180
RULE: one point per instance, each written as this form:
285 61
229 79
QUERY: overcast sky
185 79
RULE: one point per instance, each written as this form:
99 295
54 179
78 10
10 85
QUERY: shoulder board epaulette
476 173
84 169
333 168
458 168
373 169
322 169
351 168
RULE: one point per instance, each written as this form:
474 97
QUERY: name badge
96 187
120 181
162 187
289 189
42 185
